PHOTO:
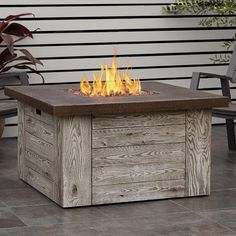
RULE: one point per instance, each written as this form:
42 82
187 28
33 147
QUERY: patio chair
229 113
8 107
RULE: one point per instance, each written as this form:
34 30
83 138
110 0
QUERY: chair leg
2 124
231 134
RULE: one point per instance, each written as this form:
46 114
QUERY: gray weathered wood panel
21 140
40 147
74 149
76 165
138 136
198 152
42 184
39 115
138 191
161 153
40 164
138 173
140 119
40 129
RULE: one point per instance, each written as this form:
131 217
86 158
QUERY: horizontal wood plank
140 119
161 153
40 164
122 49
138 191
40 146
39 115
87 11
58 2
78 24
138 136
138 173
39 182
126 36
40 129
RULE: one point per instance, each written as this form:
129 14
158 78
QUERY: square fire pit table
82 151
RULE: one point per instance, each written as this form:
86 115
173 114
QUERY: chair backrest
10 79
231 72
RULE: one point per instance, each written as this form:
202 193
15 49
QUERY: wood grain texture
140 119
2 125
138 173
39 129
42 184
74 146
21 140
198 152
40 153
40 147
40 164
138 191
160 153
138 136
39 115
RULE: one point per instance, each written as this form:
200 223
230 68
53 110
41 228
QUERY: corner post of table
198 152
21 140
74 150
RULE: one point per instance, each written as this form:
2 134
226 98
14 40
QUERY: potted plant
221 14
12 57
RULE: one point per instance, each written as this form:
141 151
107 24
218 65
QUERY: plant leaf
6 57
15 17
30 57
10 33
17 29
3 25
8 40
17 65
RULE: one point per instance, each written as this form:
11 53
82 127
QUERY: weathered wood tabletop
56 100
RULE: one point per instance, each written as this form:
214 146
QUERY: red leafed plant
12 32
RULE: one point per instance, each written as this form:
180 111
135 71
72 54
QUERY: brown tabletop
56 100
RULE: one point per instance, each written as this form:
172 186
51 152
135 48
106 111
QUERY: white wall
76 36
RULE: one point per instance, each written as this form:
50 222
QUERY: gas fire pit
81 150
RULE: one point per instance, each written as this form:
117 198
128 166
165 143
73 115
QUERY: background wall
76 36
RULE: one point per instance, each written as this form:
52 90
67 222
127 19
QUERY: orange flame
115 83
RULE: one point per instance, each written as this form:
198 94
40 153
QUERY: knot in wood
74 189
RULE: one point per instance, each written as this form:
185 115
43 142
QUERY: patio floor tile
8 219
53 214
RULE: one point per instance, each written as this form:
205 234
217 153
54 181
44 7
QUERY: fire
114 84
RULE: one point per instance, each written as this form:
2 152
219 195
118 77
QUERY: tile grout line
204 217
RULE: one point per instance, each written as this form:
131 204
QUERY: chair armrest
197 76
223 79
211 75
